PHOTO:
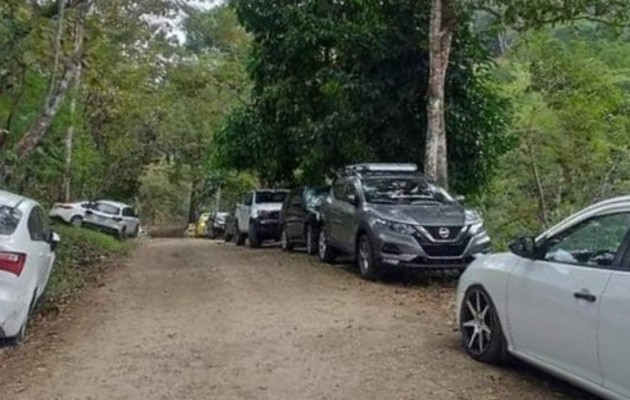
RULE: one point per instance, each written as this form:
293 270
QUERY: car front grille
273 215
438 232
445 250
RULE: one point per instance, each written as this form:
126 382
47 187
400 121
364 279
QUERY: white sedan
27 254
560 301
71 213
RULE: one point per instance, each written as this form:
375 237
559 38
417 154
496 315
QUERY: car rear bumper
10 310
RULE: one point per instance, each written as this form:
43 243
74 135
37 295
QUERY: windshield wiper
382 201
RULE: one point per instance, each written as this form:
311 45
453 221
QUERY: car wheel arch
501 312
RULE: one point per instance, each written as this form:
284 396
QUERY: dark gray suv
391 215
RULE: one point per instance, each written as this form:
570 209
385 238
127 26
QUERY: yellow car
201 226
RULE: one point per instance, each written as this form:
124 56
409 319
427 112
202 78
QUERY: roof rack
381 168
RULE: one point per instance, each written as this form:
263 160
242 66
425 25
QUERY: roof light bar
382 167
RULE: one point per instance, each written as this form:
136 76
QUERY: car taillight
12 262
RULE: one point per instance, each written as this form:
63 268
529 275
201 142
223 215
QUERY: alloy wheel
284 240
309 240
365 256
476 322
322 245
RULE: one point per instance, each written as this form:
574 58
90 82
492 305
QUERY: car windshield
107 209
9 219
221 216
403 190
270 197
313 197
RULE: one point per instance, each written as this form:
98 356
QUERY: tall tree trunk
442 25
69 142
54 99
218 199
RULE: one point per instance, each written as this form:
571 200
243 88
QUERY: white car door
614 331
244 213
130 220
554 301
40 248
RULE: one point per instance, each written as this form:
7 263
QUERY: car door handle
591 298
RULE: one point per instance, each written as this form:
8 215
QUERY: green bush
80 256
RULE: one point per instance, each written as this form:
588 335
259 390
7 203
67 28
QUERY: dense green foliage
336 83
283 92
569 87
79 256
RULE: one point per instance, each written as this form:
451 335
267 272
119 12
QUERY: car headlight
477 228
397 227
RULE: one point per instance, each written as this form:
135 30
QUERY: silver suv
258 217
391 215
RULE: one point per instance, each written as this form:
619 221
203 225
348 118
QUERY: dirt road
196 320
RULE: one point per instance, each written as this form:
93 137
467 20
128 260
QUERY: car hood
425 215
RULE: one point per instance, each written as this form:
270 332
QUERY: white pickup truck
258 217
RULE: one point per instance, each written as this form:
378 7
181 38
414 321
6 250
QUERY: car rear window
9 219
314 196
270 197
107 209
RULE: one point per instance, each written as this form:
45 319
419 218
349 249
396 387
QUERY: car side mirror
352 199
54 240
524 246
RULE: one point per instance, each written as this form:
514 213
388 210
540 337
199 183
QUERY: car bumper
268 229
10 308
399 250
101 228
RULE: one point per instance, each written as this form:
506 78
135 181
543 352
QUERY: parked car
558 301
27 255
71 213
300 218
216 224
390 215
201 226
113 217
258 216
230 228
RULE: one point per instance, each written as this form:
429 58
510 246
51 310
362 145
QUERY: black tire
285 242
122 234
325 252
76 221
482 334
254 239
369 267
310 235
211 234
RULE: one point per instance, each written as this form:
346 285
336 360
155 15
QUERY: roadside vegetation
81 256
102 99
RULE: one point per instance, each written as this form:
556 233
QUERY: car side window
296 199
594 242
351 189
128 212
36 225
339 190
